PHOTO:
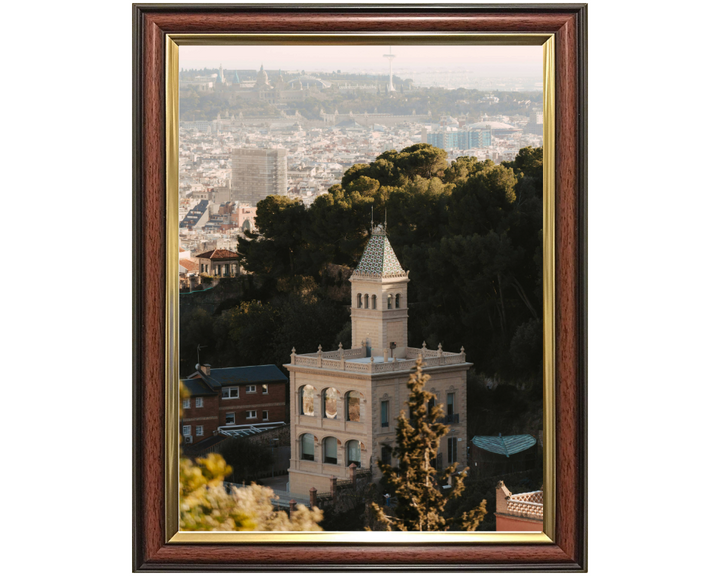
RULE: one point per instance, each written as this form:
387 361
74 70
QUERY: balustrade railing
336 361
526 508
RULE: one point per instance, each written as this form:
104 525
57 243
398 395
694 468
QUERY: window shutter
308 444
331 448
354 451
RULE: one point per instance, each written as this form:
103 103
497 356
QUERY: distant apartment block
258 173
460 139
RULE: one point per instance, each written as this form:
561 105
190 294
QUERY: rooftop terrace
358 360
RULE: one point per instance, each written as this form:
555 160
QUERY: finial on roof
319 347
293 350
424 345
340 346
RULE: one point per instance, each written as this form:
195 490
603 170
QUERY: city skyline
491 61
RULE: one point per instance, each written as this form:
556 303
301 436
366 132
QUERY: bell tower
379 298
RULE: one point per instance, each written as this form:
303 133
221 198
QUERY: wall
281 434
207 416
302 471
273 402
516 524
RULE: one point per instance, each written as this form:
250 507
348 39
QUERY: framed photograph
360 287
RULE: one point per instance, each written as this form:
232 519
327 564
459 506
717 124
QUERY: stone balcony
525 505
357 360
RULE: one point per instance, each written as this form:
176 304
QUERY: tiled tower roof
379 259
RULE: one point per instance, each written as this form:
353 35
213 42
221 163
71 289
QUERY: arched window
359 300
330 402
352 403
307 449
389 301
330 450
353 453
307 400
374 302
366 300
397 300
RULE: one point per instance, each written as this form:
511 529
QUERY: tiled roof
189 265
196 387
218 254
505 445
379 259
265 374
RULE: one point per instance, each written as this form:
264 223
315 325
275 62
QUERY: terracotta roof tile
189 265
218 255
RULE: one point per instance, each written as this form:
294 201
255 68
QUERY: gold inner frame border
172 381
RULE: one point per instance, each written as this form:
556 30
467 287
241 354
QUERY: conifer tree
420 502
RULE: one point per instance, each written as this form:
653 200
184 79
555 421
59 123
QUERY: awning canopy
505 445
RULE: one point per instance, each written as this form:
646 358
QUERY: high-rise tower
390 58
258 173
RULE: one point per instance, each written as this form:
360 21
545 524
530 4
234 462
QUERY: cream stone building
344 403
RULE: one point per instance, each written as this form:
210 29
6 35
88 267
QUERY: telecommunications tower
390 57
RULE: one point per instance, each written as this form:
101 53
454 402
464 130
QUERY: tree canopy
470 232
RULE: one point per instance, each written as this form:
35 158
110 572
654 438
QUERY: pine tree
420 502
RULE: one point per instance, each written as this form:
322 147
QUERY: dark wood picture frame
151 25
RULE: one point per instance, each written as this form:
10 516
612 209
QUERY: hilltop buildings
218 262
343 404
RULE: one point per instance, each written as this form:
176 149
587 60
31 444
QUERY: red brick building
222 397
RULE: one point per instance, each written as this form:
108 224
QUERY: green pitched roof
505 445
379 258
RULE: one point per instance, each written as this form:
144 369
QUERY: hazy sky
507 61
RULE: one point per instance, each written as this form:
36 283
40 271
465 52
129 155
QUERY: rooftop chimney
205 369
